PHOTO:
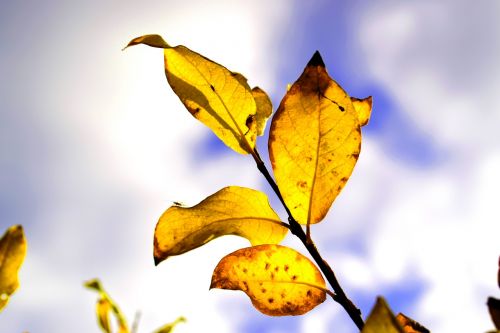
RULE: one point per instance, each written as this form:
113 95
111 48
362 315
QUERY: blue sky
94 146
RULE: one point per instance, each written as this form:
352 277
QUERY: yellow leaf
363 108
170 327
314 143
279 280
219 98
231 211
264 109
409 325
382 320
105 306
12 252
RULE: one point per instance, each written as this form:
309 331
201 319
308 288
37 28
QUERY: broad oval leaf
279 280
219 98
314 143
12 252
231 211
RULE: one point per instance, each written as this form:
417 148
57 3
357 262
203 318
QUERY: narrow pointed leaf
382 320
363 108
105 307
279 280
168 328
314 143
231 211
219 98
12 252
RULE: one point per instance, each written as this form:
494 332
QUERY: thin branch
296 229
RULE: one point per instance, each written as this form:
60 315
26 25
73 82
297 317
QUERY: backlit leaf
12 252
363 108
105 307
409 325
231 211
314 143
264 109
382 320
279 280
170 327
219 98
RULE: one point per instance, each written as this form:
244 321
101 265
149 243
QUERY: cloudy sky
94 146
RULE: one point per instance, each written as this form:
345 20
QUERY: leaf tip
157 260
316 60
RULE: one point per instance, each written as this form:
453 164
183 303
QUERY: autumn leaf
105 306
279 280
168 328
264 109
409 325
219 98
12 252
363 108
231 211
314 142
382 320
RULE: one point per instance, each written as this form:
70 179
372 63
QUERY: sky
94 146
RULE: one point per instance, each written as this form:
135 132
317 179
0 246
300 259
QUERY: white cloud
120 153
440 221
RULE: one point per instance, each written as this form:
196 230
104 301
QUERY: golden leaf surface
105 306
232 210
279 280
264 109
168 328
314 143
409 325
363 108
381 319
13 248
214 95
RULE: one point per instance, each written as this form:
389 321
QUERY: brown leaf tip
316 60
157 260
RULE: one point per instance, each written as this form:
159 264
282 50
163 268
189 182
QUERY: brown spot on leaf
270 300
263 290
343 179
250 120
245 270
286 268
309 293
212 87
276 269
302 184
267 265
282 295
294 277
355 155
272 276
